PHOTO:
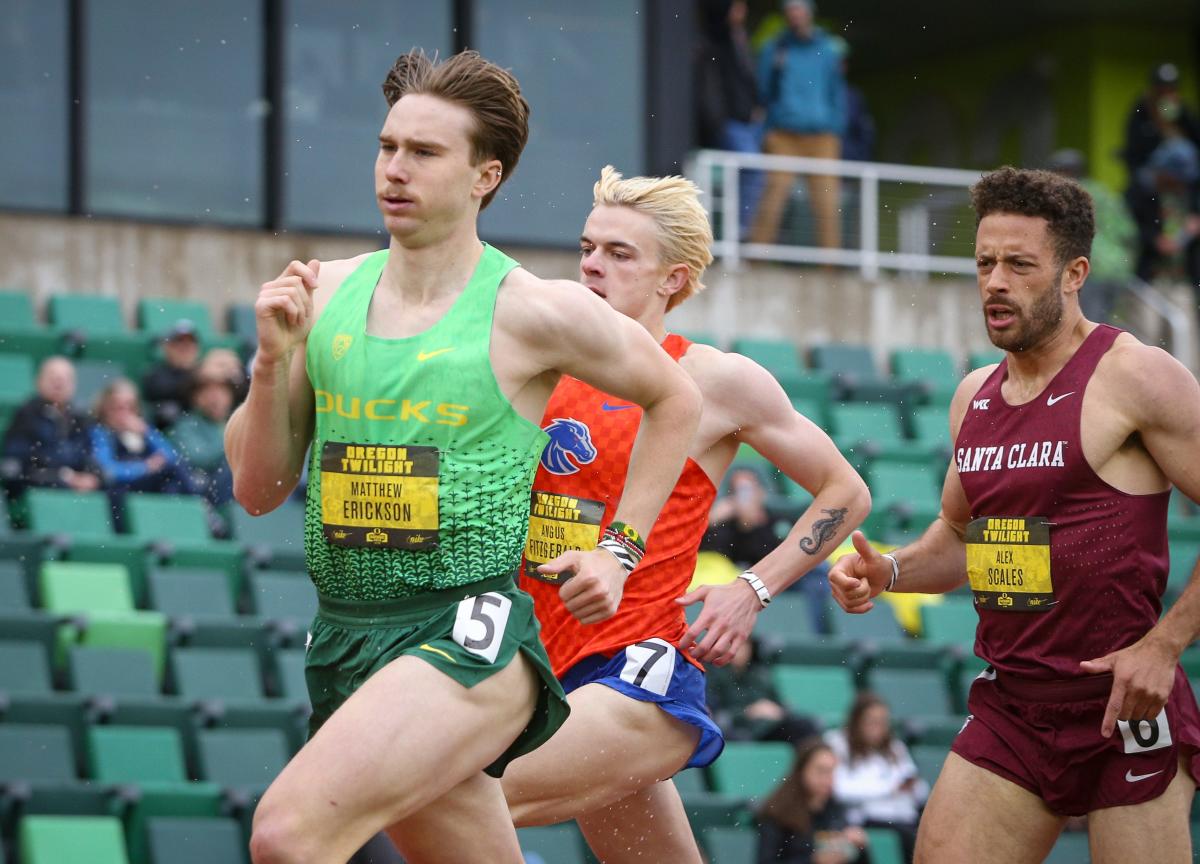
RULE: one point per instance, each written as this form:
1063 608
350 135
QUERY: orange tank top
579 482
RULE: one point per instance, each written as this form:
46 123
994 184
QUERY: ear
1075 273
489 177
676 279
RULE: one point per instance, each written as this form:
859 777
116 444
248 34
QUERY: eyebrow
384 138
612 244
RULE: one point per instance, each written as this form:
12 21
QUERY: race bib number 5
1008 563
379 496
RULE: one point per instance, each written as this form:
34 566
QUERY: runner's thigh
649 825
1155 830
977 816
468 824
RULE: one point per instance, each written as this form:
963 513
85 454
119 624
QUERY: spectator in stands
801 822
876 779
741 528
167 384
858 138
47 443
800 81
1114 249
730 115
746 705
199 435
1160 114
132 455
225 364
1165 203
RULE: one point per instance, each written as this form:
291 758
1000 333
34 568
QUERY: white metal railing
914 221
1177 320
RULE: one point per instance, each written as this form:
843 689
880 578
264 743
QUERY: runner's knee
280 838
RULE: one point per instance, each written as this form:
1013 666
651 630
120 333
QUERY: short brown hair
490 93
790 803
1062 202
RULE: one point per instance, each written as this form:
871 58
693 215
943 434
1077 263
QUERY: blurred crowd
166 435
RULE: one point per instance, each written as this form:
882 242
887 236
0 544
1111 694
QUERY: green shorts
468 633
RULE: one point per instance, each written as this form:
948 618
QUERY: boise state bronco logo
567 438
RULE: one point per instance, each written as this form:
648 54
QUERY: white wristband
764 596
895 571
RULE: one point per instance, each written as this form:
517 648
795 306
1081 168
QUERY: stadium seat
136 754
1183 562
217 673
91 377
929 759
36 753
913 681
82 587
877 626
930 426
175 840
751 769
242 758
71 840
281 596
290 682
16 379
551 844
156 315
275 539
979 359
241 323
951 622
1071 848
14 589
787 619
884 846
904 494
731 845
87 313
178 528
24 667
931 371
112 671
127 354
774 355
190 591
825 692
872 431
141 630
20 333
691 781
854 374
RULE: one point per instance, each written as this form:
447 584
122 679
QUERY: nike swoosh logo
1051 399
425 355
608 407
1130 777
437 651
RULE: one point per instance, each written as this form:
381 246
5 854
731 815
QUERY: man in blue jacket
802 86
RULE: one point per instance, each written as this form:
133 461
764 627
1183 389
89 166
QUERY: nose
395 169
589 264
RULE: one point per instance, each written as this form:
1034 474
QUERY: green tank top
420 472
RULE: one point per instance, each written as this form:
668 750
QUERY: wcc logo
341 344
568 438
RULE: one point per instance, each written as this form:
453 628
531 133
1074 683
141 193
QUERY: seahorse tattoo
823 529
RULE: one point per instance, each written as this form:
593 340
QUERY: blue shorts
654 671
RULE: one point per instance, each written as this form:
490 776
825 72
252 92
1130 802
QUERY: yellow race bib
1008 563
558 524
379 496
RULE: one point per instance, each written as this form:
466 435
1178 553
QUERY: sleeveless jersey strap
676 345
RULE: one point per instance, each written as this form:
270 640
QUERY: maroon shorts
1045 737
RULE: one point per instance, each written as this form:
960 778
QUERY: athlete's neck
1032 369
652 320
420 275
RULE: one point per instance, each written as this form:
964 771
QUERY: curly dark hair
1062 202
490 93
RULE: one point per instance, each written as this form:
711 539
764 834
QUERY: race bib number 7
379 496
1008 563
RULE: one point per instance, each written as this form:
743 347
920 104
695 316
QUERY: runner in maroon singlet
1054 510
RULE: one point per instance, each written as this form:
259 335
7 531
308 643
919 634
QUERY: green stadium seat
931 427
1071 848
190 591
825 692
193 801
290 681
979 359
14 588
854 374
731 845
157 315
884 846
282 596
930 370
80 587
701 337
196 841
877 626
113 671
24 667
751 769
177 526
241 323
869 431
691 781
71 840
16 311
929 759
275 539
124 354
912 692
16 379
1183 562
747 457
217 673
36 753
940 730
552 844
139 630
951 622
787 619
904 495
812 384
135 754
242 758
20 333
91 377
774 355
87 313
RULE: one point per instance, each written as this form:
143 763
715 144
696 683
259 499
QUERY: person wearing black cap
168 384
1159 114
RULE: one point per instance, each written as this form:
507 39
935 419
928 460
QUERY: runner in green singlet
418 374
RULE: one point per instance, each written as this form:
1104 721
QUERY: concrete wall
131 260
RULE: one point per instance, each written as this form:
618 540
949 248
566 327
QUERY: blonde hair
684 235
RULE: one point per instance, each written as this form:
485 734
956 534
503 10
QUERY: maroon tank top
1063 566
